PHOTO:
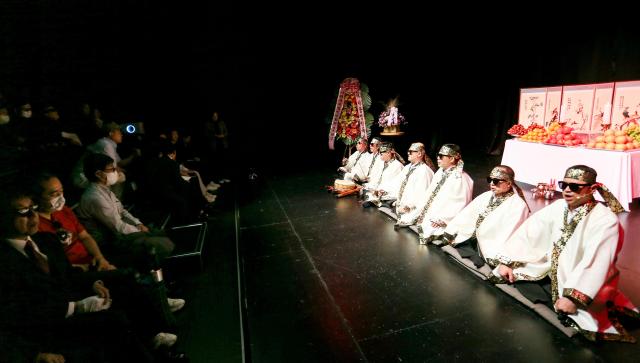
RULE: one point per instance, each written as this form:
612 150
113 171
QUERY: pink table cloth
538 163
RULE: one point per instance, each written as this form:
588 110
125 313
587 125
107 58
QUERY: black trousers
536 291
469 249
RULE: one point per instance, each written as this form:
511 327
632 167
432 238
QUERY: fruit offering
517 130
553 127
634 131
615 140
563 135
535 133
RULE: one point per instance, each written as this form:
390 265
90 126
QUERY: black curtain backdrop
273 77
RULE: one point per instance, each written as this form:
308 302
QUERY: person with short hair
564 256
99 207
57 218
448 193
480 230
58 311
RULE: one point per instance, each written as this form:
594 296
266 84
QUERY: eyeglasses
27 212
574 187
440 156
494 181
412 151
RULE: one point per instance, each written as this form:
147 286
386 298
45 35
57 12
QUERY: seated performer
564 255
448 193
384 171
356 157
480 230
361 171
410 186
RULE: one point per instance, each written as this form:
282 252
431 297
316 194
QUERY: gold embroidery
567 231
492 262
406 179
498 173
373 160
494 203
520 276
445 150
577 297
503 260
579 174
358 158
593 336
423 212
386 163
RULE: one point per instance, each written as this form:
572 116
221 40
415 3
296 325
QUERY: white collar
19 245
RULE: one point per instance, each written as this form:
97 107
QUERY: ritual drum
343 185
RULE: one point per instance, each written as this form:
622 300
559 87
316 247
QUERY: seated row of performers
562 256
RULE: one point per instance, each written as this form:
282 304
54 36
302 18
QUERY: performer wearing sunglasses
480 230
564 256
384 172
448 193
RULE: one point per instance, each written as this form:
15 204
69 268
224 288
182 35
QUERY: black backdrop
273 76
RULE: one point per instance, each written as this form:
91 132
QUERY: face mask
26 114
112 178
57 203
4 119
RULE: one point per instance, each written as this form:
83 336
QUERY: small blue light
131 129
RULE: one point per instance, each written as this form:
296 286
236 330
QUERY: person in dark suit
62 315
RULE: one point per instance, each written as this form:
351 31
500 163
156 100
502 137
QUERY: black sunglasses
494 181
574 187
440 156
27 212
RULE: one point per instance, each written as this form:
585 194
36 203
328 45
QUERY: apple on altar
564 135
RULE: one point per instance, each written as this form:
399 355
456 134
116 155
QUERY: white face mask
112 178
4 119
57 203
26 114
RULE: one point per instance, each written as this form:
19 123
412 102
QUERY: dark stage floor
327 281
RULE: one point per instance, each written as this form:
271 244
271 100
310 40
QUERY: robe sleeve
459 196
463 224
590 273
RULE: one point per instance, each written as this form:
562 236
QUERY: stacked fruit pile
618 140
535 133
634 131
517 130
563 135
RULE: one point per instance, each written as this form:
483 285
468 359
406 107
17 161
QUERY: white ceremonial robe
380 176
415 189
351 162
496 227
453 196
361 169
586 263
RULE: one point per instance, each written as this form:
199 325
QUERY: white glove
92 304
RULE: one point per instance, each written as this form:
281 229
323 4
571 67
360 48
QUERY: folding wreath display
350 120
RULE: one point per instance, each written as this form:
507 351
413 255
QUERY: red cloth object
76 251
